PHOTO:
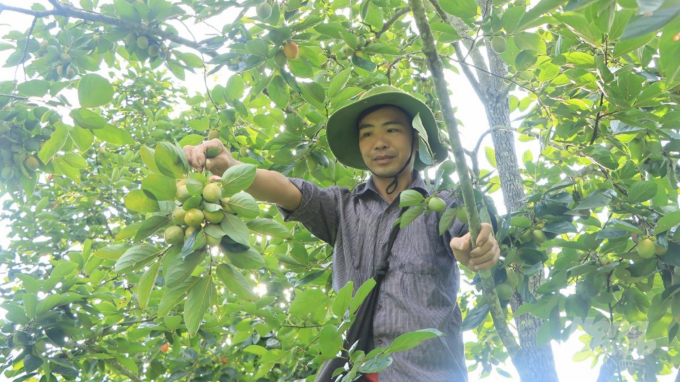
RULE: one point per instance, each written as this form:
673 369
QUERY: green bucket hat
343 136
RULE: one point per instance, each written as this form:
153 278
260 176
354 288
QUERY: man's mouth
383 159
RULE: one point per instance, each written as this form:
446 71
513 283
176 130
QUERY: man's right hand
216 165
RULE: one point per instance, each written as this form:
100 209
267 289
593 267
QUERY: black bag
362 328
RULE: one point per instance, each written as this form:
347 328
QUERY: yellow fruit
7 173
194 217
213 134
435 204
213 217
212 192
291 50
462 215
538 236
498 44
181 182
263 11
659 250
243 151
504 292
32 163
178 216
65 57
182 193
142 42
645 249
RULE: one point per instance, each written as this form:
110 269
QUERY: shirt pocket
413 251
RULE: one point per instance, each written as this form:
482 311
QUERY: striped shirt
420 289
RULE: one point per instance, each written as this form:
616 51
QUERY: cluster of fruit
189 217
18 149
144 48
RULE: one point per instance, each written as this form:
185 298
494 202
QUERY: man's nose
380 143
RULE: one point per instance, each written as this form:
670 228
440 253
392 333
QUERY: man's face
385 141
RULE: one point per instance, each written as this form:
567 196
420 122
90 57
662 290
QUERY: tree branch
123 370
468 73
437 70
99 18
391 21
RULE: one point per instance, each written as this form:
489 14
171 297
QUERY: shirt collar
418 183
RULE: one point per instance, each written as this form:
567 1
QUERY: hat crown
380 90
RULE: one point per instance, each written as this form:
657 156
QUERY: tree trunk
539 359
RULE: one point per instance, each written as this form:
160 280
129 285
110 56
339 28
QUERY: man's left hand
486 252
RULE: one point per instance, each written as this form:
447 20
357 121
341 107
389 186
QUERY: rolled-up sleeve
318 210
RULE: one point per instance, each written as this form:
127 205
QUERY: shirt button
382 241
379 306
380 342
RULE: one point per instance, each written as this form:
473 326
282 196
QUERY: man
420 289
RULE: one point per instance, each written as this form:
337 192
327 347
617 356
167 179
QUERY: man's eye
366 134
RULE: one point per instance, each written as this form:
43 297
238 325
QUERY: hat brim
343 136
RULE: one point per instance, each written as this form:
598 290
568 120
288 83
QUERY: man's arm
268 186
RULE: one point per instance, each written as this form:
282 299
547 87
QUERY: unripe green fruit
32 163
213 134
212 192
32 144
361 42
70 73
213 152
243 151
178 215
346 51
512 279
142 42
7 173
504 292
153 51
264 11
182 193
280 59
65 57
174 235
659 250
213 240
188 231
311 164
526 236
435 204
462 215
40 346
538 236
225 205
213 217
645 248
194 217
498 44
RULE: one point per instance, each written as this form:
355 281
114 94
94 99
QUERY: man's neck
405 180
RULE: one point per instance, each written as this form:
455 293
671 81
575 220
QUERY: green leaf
160 186
235 87
268 227
32 363
135 257
667 222
191 60
629 45
300 67
306 301
150 226
538 10
669 51
64 168
141 201
338 82
30 303
409 198
250 259
112 252
87 119
34 88
126 11
475 316
235 282
314 94
196 306
641 191
146 283
175 294
374 15
238 178
244 205
410 215
176 269
170 160
560 227
114 135
235 228
278 92
447 219
361 295
343 299
410 340
643 24
94 90
459 8
54 144
363 63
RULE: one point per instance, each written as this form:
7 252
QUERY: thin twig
123 370
205 68
468 73
13 96
23 56
391 21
